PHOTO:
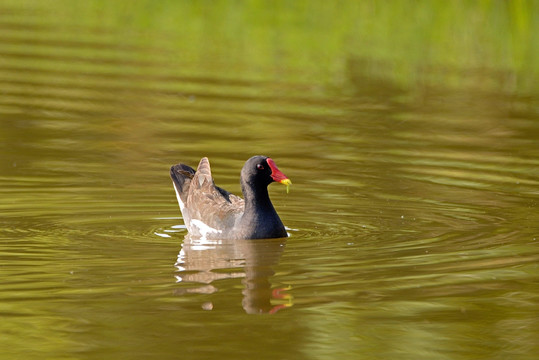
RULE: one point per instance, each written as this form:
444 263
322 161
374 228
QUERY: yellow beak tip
286 182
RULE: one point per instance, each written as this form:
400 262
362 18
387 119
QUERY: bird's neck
257 200
259 219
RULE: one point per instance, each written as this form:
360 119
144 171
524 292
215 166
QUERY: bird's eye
260 167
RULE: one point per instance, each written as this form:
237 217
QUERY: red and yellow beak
277 175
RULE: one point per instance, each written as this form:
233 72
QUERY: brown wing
209 204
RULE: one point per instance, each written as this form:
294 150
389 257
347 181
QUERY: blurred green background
406 41
409 130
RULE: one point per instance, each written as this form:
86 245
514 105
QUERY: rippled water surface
413 214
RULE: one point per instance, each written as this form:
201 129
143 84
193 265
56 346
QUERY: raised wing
211 209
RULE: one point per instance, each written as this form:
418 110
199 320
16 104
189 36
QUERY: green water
410 130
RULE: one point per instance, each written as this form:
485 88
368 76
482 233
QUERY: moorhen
210 212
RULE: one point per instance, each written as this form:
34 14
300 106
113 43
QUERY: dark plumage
210 212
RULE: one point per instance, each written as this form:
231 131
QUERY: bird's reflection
203 262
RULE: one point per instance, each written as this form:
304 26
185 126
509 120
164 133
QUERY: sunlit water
412 215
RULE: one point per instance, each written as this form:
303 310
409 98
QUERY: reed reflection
205 261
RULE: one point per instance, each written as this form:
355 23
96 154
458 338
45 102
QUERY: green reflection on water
311 40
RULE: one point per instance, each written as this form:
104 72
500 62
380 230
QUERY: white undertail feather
203 229
180 202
